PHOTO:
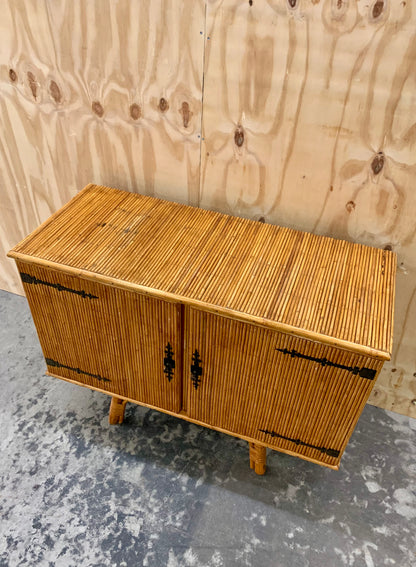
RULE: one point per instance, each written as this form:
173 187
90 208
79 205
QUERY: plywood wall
309 122
105 91
298 112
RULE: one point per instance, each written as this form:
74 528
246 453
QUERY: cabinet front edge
216 309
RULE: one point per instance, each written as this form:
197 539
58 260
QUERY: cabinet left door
107 338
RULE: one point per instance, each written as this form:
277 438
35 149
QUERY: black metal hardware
27 278
196 369
368 373
330 452
168 361
56 364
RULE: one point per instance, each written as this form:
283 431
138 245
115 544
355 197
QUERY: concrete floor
158 491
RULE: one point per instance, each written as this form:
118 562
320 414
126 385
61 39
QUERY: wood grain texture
105 91
308 122
299 99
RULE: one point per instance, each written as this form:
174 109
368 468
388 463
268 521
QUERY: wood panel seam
201 136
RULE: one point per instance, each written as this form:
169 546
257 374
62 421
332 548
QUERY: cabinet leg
258 458
117 408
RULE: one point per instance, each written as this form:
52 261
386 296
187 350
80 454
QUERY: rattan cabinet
273 335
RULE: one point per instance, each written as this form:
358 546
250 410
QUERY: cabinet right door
296 395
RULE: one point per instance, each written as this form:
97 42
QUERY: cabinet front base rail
255 455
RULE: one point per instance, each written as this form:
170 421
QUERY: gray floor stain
157 491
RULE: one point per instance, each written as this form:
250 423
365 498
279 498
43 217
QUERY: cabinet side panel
116 340
294 394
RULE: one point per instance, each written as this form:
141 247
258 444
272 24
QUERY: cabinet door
107 338
293 394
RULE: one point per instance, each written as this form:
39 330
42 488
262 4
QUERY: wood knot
12 75
377 9
239 136
135 111
350 206
262 219
55 92
97 108
32 84
377 163
186 114
163 105
250 2
388 247
292 3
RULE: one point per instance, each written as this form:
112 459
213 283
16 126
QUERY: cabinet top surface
330 289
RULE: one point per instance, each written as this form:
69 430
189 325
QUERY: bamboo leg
117 408
258 458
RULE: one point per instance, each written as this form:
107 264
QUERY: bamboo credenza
270 334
